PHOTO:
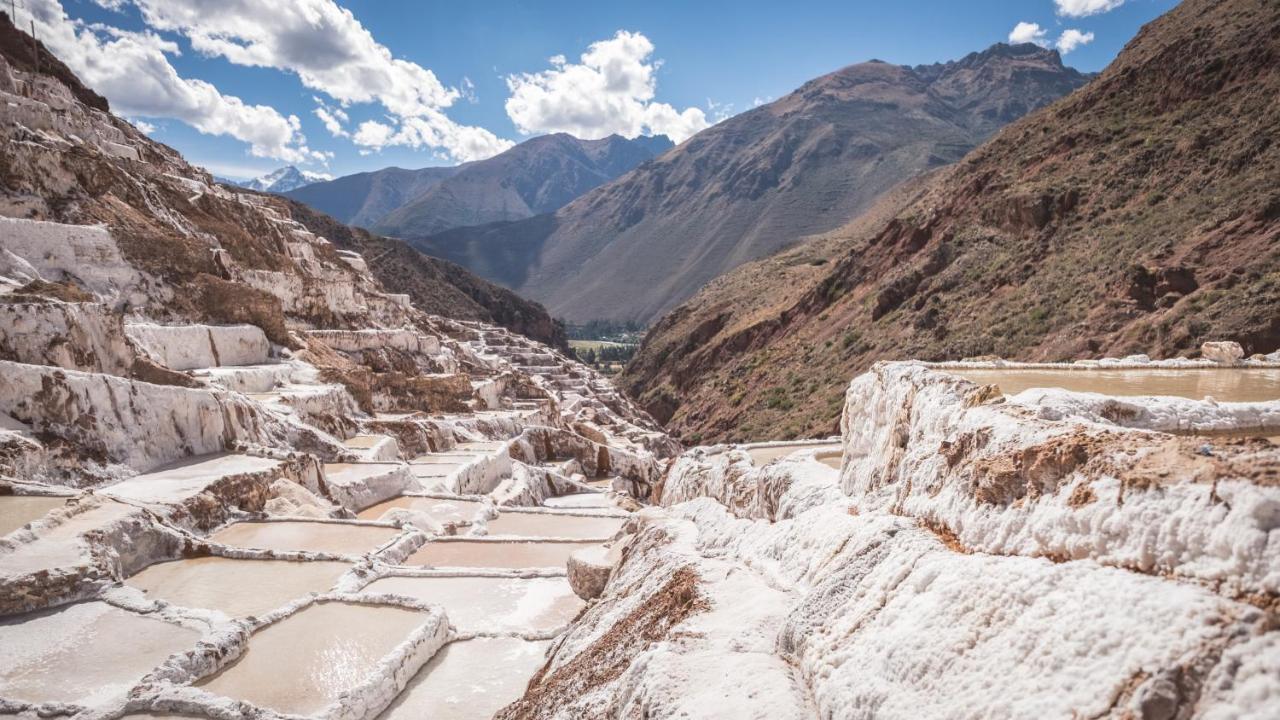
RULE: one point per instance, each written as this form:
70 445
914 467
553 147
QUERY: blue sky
240 87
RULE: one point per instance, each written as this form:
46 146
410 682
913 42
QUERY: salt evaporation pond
492 604
1223 384
301 664
446 510
469 680
830 458
85 653
533 524
766 454
292 535
18 510
581 501
239 588
494 554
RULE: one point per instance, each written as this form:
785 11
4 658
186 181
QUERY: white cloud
143 126
131 69
758 101
332 117
1072 39
1083 8
1028 32
610 91
331 53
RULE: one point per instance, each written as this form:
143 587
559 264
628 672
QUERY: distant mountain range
636 247
537 176
283 180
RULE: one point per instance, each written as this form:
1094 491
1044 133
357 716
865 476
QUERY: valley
916 424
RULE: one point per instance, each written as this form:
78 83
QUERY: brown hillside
1139 215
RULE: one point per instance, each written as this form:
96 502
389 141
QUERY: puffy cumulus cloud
610 90
1083 8
131 69
331 53
1072 39
333 118
1028 32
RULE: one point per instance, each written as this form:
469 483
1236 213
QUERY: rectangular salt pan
86 653
303 663
18 510
493 604
446 510
239 588
283 536
1223 384
469 680
494 554
554 525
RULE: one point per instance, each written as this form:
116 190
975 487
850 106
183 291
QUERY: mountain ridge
1137 215
635 247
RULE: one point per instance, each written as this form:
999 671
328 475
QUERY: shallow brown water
83 653
830 458
469 680
446 510
299 535
238 588
491 554
492 604
554 525
303 663
1223 384
18 510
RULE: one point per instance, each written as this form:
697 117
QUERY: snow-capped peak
285 179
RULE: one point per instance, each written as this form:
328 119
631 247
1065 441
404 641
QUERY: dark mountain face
1139 214
535 177
741 190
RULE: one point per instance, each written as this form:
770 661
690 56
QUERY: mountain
365 198
743 189
1140 214
285 179
537 176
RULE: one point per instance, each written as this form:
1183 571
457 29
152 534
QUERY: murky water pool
446 510
830 458
494 554
768 453
1223 384
303 663
18 510
527 524
60 546
492 604
469 680
300 535
238 588
83 653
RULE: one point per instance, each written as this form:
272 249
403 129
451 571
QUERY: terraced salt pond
562 525
239 588
494 554
18 510
581 501
493 604
83 653
291 535
765 454
469 680
302 663
445 510
1223 384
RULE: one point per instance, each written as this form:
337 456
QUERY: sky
342 86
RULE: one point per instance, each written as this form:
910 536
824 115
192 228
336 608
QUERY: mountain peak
285 179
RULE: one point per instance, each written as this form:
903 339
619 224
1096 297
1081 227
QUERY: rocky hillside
753 184
1138 215
436 286
537 176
